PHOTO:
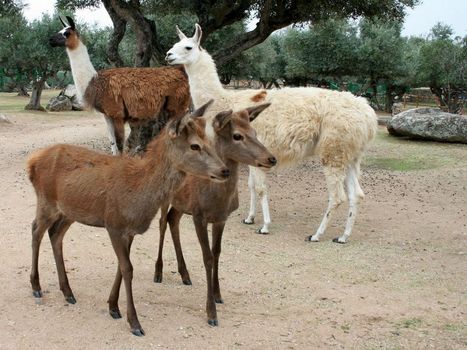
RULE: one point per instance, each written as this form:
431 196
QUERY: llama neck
203 79
81 68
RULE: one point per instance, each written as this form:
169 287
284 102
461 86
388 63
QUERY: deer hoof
213 322
337 240
187 282
139 332
311 239
248 222
37 293
219 301
115 313
157 279
258 231
71 300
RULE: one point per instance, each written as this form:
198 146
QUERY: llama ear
201 110
63 22
221 120
198 34
180 34
256 110
72 23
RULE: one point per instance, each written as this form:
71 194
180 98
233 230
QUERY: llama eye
66 34
188 48
195 147
237 137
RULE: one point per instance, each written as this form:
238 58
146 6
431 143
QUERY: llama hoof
260 232
311 239
139 332
213 322
157 279
37 293
187 282
71 300
219 300
248 222
115 313
338 240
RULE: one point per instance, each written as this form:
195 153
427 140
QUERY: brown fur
214 202
260 96
122 194
73 40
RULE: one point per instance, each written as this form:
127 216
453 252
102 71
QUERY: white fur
81 68
301 122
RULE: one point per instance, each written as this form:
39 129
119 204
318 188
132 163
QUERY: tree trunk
389 98
22 91
35 101
117 35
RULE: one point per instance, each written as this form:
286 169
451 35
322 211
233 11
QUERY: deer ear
201 110
63 22
221 120
71 22
174 129
198 34
256 110
180 34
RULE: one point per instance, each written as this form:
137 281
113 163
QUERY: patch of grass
410 323
403 164
11 102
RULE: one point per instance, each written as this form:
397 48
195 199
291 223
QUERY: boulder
429 124
59 103
70 92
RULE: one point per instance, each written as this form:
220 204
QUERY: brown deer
122 194
235 142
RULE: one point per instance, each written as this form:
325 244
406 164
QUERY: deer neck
204 80
81 68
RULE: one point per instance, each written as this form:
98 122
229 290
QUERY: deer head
190 150
187 50
68 37
236 138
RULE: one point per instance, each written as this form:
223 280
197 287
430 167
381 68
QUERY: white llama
301 122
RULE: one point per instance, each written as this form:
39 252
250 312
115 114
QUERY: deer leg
252 212
174 217
202 232
56 233
114 310
122 245
162 228
335 184
39 226
217 231
354 193
112 137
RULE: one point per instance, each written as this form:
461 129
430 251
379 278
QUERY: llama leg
112 138
39 226
202 232
262 188
162 228
122 245
335 184
119 134
251 185
217 230
173 218
354 193
56 233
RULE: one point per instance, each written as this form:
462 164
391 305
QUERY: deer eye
188 48
237 137
195 147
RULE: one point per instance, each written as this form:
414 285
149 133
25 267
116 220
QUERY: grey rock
4 119
429 124
70 92
59 103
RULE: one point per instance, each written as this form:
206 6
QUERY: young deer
235 142
122 194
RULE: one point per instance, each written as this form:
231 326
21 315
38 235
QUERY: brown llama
235 142
122 194
134 95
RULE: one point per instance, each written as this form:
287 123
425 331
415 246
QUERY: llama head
67 37
236 139
187 50
191 151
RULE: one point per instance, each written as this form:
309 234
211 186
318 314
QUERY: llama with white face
301 122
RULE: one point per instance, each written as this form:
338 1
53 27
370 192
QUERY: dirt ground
400 282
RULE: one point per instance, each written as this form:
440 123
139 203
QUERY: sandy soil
399 283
